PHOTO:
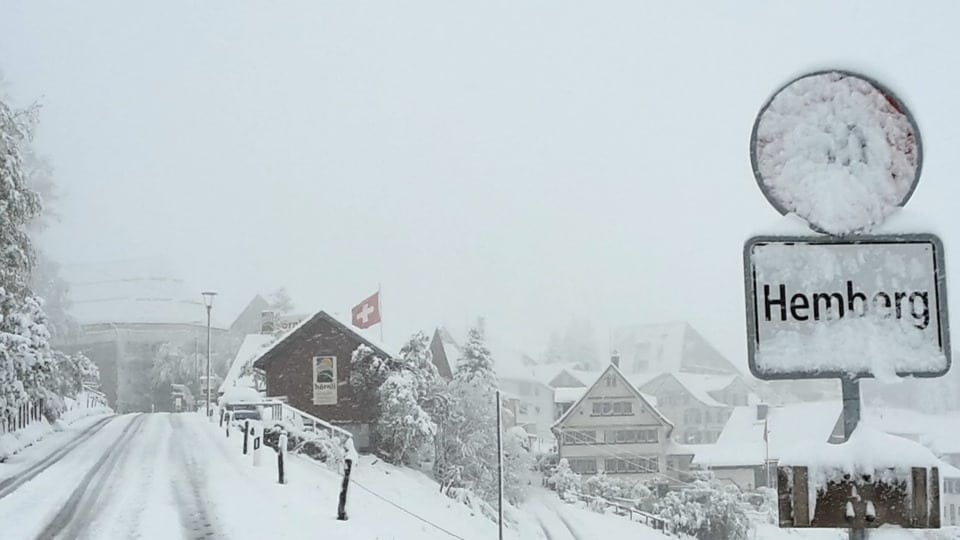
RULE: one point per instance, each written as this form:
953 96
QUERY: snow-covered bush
705 510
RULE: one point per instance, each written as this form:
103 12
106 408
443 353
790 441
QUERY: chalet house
663 348
755 437
697 404
309 367
613 429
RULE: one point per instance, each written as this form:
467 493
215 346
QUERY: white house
613 429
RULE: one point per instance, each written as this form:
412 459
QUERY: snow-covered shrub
319 446
615 488
706 510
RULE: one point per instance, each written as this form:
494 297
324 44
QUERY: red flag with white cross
367 313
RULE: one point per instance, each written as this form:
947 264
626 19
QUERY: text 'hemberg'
817 306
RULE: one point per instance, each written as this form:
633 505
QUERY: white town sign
822 307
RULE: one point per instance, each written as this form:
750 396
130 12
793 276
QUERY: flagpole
380 299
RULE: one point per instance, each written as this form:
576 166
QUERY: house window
953 514
630 436
612 408
633 464
583 465
575 436
523 408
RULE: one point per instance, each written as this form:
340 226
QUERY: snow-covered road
132 476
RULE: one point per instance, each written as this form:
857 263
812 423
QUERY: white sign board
820 307
324 380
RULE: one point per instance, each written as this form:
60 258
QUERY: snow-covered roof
136 291
667 347
867 449
568 395
512 368
741 441
651 405
378 347
250 349
240 394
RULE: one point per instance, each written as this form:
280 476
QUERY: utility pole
499 467
208 302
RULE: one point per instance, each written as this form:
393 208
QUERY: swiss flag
367 313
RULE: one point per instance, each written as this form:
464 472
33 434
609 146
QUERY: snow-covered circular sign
838 150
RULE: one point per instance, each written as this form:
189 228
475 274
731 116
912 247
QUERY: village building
309 368
613 429
697 404
748 450
241 372
126 310
667 348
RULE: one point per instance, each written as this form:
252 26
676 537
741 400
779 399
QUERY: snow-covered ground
168 476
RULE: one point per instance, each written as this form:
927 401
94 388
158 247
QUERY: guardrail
308 422
654 522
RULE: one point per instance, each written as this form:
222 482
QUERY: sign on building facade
324 380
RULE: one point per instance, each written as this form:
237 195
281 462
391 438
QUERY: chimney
267 322
762 410
615 358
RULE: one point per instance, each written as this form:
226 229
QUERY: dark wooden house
310 368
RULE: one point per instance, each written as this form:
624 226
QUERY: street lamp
208 302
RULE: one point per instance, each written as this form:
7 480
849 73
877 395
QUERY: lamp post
208 302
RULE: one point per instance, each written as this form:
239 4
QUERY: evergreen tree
469 446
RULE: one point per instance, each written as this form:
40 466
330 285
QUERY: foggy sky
525 161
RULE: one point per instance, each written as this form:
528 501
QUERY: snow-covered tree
404 429
564 480
518 465
368 371
280 301
171 366
469 447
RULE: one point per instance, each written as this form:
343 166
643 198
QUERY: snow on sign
838 150
870 306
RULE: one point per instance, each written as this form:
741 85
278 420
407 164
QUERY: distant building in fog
126 310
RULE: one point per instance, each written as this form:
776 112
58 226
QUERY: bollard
281 451
256 434
246 435
342 508
228 424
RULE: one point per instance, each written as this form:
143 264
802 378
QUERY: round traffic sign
837 149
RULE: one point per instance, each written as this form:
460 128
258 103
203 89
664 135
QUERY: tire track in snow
196 520
543 527
569 527
74 516
9 485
